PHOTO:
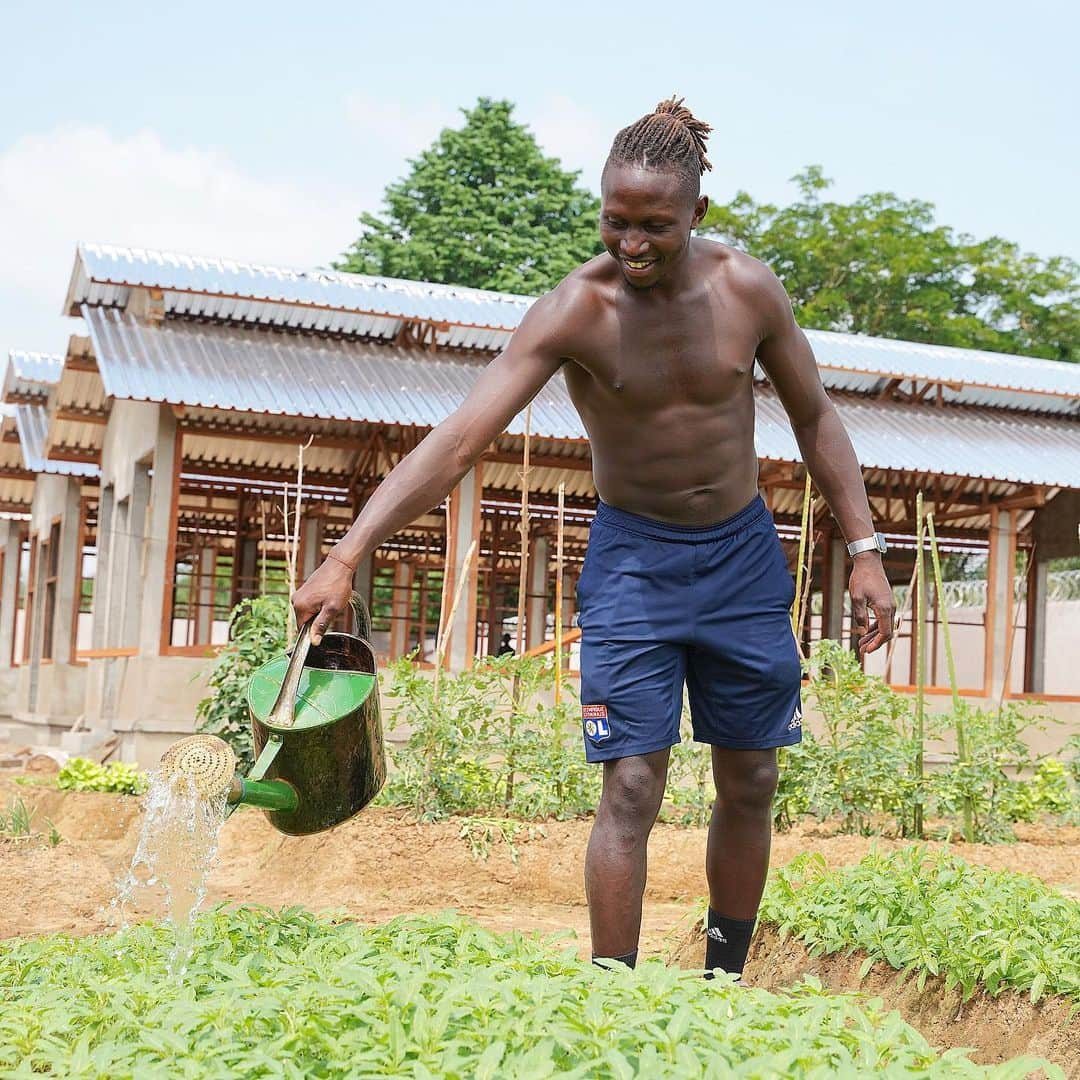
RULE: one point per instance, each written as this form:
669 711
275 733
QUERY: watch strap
868 543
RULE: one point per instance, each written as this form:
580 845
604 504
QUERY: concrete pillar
999 599
834 589
312 529
401 609
9 588
132 570
156 539
536 600
102 577
67 576
463 527
1035 658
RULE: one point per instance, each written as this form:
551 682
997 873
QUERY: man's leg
615 861
737 859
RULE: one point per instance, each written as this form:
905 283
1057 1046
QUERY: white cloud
86 183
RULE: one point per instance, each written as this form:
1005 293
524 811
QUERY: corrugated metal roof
362 305
319 300
219 367
32 423
287 375
30 374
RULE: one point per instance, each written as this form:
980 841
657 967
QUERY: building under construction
149 482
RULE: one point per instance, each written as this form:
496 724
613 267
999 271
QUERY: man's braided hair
670 137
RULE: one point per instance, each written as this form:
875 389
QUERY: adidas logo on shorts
796 720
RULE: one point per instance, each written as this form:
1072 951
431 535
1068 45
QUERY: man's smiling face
646 217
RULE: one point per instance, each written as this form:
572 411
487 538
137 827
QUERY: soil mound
996 1028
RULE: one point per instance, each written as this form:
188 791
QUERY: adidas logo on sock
715 933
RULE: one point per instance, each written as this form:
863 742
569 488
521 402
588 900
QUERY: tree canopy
882 266
482 206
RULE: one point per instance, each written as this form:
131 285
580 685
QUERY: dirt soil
382 864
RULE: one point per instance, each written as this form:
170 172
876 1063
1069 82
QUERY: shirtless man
684 579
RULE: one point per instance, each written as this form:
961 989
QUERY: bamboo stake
523 527
262 548
558 593
920 660
796 614
961 731
440 647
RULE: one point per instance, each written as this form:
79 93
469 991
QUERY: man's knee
632 793
750 788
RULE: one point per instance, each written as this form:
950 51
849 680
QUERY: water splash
177 849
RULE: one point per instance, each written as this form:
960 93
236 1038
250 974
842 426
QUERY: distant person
505 649
685 579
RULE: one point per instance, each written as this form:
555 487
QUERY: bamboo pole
958 717
796 612
523 527
920 661
440 646
1015 624
558 592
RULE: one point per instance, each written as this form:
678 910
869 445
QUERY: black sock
630 959
727 941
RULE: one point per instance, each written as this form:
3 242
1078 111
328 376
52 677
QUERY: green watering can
317 731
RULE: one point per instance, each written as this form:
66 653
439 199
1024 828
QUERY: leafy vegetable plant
258 629
931 914
81 774
290 995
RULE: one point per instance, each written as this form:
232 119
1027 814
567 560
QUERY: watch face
881 545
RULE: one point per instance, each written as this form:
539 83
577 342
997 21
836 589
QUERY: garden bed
995 1028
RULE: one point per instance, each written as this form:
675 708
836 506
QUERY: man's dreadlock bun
670 137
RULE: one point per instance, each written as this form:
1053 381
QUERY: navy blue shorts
661 605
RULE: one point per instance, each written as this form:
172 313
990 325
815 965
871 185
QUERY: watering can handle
283 714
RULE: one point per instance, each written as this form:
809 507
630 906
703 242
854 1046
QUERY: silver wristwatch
870 543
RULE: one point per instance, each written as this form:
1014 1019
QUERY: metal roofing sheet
105 264
32 422
363 305
30 374
219 367
287 375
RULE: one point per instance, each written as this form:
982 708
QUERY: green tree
882 266
482 206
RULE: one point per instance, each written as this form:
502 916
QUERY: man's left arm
786 357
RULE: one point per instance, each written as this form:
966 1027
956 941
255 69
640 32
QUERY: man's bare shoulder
748 278
574 305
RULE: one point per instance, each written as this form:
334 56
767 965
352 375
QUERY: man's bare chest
642 363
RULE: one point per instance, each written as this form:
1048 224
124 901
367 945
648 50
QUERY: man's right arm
422 479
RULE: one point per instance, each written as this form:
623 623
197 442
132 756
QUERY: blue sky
260 131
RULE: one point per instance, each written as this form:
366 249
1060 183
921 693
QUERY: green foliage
15 822
932 914
483 207
881 265
690 788
860 769
82 774
487 744
996 752
257 633
290 995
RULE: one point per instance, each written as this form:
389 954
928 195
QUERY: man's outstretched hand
323 597
870 592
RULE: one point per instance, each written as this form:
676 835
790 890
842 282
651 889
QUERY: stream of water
177 849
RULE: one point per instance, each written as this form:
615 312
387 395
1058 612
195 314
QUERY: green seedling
290 995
